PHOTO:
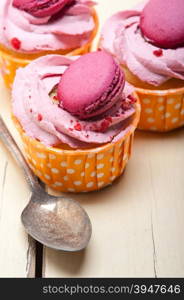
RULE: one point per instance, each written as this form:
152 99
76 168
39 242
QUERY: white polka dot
170 101
161 108
91 155
40 155
146 100
93 174
78 162
112 177
70 171
47 176
54 170
151 120
82 174
101 183
125 157
112 170
167 114
177 106
160 100
49 165
100 166
182 112
90 184
111 159
87 165
174 120
57 183
65 178
63 164
77 183
100 175
52 156
100 156
148 110
71 190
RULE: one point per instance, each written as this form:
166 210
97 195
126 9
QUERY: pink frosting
43 119
122 37
72 29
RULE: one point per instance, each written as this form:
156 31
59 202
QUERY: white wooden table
137 223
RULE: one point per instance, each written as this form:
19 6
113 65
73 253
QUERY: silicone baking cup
10 60
79 170
161 110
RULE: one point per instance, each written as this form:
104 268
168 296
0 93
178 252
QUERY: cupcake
32 28
148 41
76 117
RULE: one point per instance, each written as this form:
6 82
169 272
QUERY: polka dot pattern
79 170
161 110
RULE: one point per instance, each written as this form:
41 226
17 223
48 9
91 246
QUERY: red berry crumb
78 127
40 118
16 43
158 52
71 129
31 110
104 125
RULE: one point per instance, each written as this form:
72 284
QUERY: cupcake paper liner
79 170
161 110
10 60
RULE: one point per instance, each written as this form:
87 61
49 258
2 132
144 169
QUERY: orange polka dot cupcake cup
79 170
10 60
161 110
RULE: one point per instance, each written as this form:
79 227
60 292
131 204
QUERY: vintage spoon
57 222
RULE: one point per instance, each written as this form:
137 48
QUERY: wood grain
137 222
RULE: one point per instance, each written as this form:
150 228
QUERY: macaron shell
43 8
162 22
84 83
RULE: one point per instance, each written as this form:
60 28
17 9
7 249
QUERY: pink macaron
91 85
41 8
162 22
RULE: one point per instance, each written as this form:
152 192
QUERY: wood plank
17 252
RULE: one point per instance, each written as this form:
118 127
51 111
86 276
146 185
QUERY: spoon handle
9 142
